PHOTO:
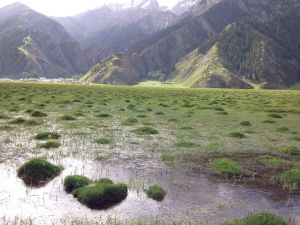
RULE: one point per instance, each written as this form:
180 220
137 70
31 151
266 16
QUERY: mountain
184 6
222 29
117 29
33 45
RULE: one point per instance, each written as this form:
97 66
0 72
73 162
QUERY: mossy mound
145 131
225 166
101 195
156 192
38 171
47 135
263 218
291 179
72 183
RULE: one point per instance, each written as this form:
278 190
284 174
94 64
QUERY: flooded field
101 133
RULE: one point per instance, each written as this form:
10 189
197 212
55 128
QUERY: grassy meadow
242 135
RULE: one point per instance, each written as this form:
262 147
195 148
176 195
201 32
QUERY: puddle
190 197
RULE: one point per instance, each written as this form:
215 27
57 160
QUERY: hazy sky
69 7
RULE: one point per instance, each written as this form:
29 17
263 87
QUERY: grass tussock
291 179
72 183
225 166
263 218
47 135
101 195
49 144
156 192
38 171
145 131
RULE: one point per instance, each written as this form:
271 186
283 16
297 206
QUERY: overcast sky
69 7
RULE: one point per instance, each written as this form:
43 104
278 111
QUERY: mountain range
197 43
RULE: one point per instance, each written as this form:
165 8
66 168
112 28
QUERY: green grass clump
4 117
19 120
145 131
275 116
103 115
186 128
72 183
38 114
168 158
291 179
104 181
245 123
130 122
38 171
237 135
185 144
68 118
156 192
103 141
269 121
47 135
31 123
295 138
49 144
225 166
271 161
282 129
290 150
263 218
101 195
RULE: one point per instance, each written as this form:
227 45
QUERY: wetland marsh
218 154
